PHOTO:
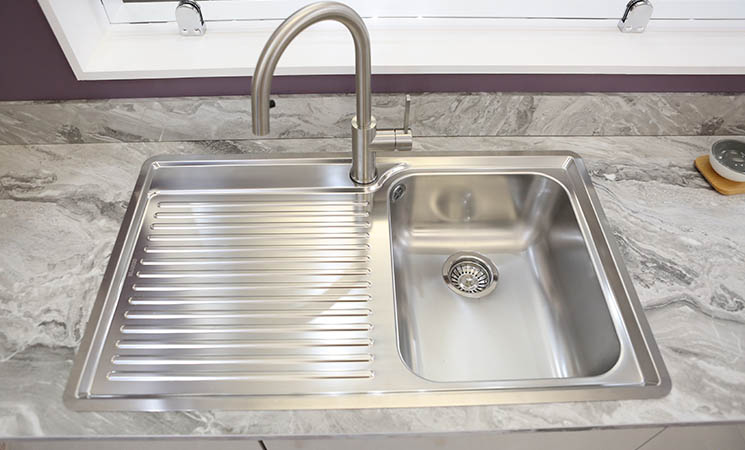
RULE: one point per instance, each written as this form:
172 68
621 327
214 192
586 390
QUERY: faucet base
363 158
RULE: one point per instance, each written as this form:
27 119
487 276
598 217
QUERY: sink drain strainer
470 274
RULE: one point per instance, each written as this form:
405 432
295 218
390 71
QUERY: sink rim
390 164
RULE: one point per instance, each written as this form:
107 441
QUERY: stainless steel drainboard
265 284
236 287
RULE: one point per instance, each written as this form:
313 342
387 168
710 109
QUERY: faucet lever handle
407 110
395 138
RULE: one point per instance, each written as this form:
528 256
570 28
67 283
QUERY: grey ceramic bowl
727 157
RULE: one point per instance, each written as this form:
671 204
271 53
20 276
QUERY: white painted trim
99 50
79 30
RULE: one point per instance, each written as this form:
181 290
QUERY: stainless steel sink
454 279
544 317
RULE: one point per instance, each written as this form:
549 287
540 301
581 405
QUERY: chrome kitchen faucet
365 134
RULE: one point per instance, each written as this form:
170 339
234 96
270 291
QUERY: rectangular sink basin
539 310
277 283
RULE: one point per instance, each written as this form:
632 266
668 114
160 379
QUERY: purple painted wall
33 67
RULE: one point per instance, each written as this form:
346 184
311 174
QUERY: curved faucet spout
363 126
262 81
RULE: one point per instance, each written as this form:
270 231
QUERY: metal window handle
189 18
636 16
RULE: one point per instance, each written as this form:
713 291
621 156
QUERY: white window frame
162 11
98 49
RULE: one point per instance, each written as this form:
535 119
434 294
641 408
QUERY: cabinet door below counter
625 439
193 443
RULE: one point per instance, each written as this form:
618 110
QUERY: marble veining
319 116
60 209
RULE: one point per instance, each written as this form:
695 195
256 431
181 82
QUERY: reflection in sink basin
547 316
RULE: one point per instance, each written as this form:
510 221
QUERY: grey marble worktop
684 245
327 116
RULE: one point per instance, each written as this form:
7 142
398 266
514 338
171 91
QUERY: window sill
98 50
